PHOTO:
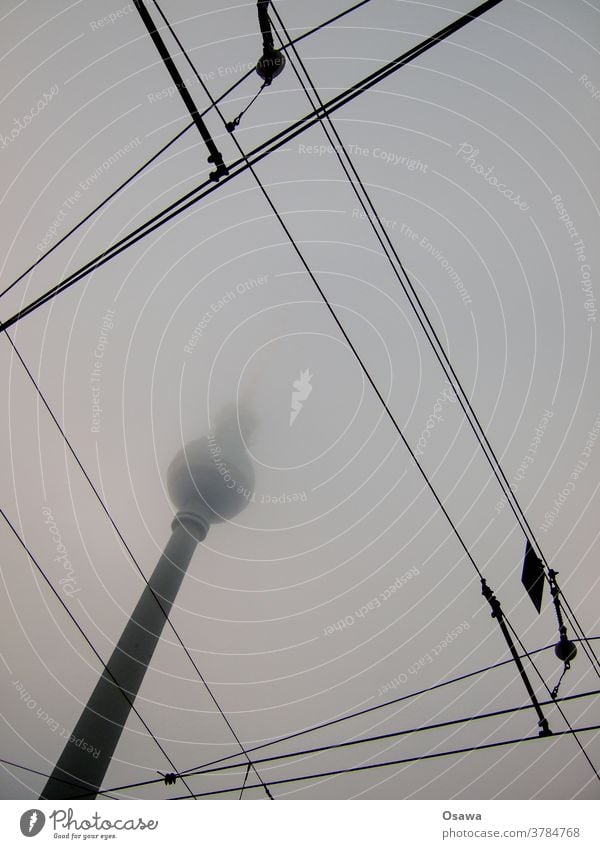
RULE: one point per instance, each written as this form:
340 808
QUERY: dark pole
215 156
499 616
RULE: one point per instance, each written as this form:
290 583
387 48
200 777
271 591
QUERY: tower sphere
212 476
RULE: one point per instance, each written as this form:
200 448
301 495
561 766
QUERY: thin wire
420 313
45 775
332 312
97 208
221 97
350 716
245 780
209 769
87 639
452 28
415 759
560 710
391 734
243 164
121 537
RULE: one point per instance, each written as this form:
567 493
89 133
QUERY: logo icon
302 389
32 822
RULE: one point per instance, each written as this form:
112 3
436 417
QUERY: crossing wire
45 775
420 312
341 103
73 618
415 759
222 764
127 548
165 147
450 29
243 164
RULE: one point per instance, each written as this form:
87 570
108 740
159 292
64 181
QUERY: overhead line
496 609
121 537
252 158
420 313
417 758
175 138
214 767
45 775
73 618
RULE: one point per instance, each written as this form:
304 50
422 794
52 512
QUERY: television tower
210 480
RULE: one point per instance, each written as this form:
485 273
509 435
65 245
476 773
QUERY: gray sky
340 513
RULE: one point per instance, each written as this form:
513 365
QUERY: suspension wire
559 707
119 188
489 5
420 312
389 735
245 780
175 138
324 297
73 618
367 374
447 367
241 165
545 730
74 454
210 769
123 541
362 712
415 759
45 775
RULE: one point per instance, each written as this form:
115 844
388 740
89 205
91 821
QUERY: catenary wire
415 759
420 312
448 30
350 716
223 765
73 618
45 775
243 164
127 548
165 147
429 332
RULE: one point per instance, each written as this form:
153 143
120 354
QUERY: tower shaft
88 752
